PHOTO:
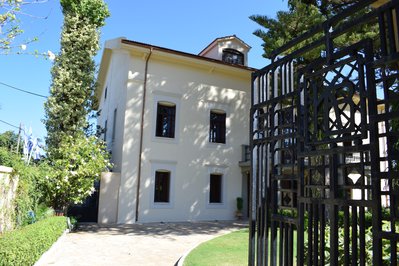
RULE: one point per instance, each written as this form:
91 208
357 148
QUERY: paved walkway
137 244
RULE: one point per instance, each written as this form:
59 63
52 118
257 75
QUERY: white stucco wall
109 198
193 157
115 87
196 88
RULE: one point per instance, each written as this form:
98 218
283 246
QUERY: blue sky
188 26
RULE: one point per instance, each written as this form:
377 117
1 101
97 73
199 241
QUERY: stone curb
51 249
181 260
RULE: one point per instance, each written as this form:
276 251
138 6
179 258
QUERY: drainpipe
141 135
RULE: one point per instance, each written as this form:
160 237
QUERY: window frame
162 173
114 125
219 193
217 126
162 96
222 170
105 130
228 52
169 114
162 166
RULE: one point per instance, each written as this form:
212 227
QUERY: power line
18 89
11 125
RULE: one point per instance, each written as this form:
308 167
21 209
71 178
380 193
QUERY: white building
176 124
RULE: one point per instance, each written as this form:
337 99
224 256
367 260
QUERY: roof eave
184 54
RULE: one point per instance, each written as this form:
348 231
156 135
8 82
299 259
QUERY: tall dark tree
301 16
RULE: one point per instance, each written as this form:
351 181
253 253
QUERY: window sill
214 145
215 206
162 205
165 140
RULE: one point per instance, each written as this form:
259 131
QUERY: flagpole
30 155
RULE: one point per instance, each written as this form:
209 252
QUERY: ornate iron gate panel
324 134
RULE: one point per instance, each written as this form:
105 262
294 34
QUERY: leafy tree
80 160
301 17
9 28
73 73
77 160
10 11
8 140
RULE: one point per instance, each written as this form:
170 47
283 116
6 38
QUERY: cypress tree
73 72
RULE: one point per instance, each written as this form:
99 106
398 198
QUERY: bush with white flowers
80 160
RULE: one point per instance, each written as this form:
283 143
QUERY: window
114 125
215 188
165 126
162 184
162 187
105 93
233 57
217 127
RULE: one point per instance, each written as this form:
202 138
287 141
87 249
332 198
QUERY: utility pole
19 137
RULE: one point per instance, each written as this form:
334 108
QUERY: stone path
137 244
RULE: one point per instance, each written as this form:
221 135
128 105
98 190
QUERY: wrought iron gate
324 134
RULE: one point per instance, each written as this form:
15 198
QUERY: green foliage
79 162
76 160
288 25
73 73
9 23
30 191
386 244
31 185
26 245
8 140
8 143
43 212
301 17
95 11
6 157
10 12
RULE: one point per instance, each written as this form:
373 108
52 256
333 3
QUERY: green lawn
230 249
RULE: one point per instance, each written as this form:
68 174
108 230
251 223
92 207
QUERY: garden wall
8 188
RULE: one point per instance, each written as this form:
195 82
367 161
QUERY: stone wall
8 188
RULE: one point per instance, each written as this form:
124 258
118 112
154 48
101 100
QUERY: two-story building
176 124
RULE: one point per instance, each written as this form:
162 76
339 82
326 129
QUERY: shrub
26 245
31 191
76 165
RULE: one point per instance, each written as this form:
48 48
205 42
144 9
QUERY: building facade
175 124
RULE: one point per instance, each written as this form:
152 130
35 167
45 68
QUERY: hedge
25 246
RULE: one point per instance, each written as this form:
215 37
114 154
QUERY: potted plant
239 208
